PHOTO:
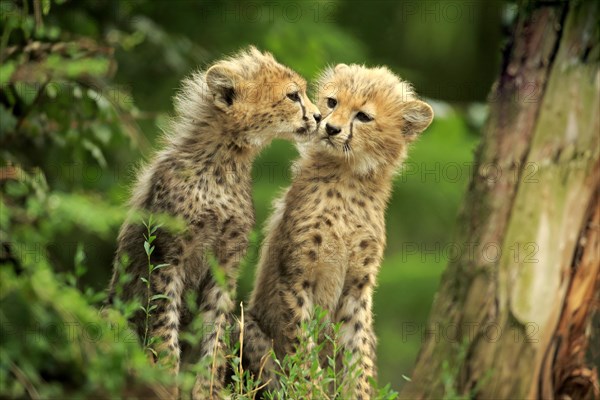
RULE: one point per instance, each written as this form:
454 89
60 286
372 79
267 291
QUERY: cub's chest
352 217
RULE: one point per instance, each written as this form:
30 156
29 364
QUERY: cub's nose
332 130
317 117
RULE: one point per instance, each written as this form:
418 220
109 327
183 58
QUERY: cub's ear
416 117
340 67
221 83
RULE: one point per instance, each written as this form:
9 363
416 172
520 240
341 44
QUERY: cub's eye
331 102
294 96
362 117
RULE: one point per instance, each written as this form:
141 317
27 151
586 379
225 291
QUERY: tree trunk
513 313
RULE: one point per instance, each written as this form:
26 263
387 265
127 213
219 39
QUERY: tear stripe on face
350 135
303 108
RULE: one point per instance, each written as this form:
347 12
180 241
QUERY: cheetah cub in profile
325 240
224 117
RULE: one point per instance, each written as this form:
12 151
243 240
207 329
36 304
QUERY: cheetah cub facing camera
325 240
224 117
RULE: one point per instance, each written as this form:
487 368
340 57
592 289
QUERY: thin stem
147 309
37 13
241 369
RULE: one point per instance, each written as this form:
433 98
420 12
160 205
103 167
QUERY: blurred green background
88 153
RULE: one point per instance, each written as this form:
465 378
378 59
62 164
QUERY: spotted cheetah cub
224 117
325 240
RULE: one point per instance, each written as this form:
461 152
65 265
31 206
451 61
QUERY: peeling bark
567 374
519 306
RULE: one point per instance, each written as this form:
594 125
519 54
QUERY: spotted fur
224 117
325 240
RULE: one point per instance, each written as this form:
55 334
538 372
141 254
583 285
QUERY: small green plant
74 278
149 238
244 384
305 374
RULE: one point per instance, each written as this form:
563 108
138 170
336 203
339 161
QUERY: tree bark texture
512 317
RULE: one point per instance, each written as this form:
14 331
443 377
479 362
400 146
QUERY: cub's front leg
356 334
354 313
357 338
312 276
217 306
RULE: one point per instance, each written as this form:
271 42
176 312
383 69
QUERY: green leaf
16 189
216 269
28 92
8 122
102 133
147 248
159 266
6 71
75 68
144 280
45 7
95 151
79 259
159 296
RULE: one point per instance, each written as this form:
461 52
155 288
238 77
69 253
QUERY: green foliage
55 345
55 115
304 375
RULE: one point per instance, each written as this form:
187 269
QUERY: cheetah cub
325 240
224 117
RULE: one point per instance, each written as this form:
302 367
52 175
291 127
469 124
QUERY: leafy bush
58 116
